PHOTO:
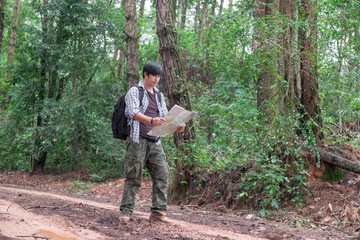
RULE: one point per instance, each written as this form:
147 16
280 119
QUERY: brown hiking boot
124 218
159 216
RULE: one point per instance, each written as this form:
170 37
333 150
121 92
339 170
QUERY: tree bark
116 52
202 20
183 14
11 50
308 66
2 20
120 64
197 15
174 75
141 10
132 68
14 25
287 63
221 7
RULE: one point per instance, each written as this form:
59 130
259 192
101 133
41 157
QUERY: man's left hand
181 128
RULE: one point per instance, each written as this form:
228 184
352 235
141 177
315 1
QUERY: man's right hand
158 121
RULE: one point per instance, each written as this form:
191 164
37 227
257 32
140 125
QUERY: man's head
152 68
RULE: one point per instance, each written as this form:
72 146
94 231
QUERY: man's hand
158 121
181 128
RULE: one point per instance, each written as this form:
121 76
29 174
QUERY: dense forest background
269 79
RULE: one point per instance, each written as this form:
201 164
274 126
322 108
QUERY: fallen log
339 161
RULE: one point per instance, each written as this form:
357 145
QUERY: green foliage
74 129
80 186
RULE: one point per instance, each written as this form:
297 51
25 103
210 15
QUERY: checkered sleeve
132 103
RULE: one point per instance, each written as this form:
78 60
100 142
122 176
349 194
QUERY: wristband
152 121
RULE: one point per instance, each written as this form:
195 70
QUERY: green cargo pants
152 156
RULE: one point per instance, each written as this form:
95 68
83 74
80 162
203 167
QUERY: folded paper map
175 118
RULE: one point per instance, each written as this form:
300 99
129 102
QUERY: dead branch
52 207
33 237
330 225
339 161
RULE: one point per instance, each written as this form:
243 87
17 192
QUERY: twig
310 191
329 225
53 207
34 237
7 210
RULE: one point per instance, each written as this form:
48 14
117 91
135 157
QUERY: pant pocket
132 169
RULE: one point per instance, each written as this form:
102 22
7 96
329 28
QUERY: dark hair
152 68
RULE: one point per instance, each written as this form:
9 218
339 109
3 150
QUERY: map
175 118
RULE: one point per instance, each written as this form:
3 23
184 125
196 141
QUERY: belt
149 139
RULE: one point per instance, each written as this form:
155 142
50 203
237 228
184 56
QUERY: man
144 150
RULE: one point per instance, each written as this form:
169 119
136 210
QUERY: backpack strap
141 94
159 97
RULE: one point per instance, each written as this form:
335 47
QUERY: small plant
218 194
96 178
194 197
80 186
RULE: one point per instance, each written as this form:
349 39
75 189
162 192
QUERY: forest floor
68 206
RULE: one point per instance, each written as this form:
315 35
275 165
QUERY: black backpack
119 124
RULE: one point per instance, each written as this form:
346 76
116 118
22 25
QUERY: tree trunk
174 9
120 64
287 64
38 158
308 67
183 14
141 10
14 24
11 50
339 161
266 88
197 15
132 68
202 20
230 6
221 7
2 20
174 75
116 52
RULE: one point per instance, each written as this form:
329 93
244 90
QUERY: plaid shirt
133 107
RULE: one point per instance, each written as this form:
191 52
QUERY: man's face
152 80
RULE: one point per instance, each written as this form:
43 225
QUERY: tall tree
14 25
2 20
288 61
183 13
141 9
11 49
174 75
221 7
263 40
308 66
132 68
39 155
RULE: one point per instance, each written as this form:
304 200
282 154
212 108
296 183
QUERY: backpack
119 123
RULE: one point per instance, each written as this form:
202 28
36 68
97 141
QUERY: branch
33 237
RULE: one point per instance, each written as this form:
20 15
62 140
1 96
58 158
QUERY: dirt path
49 213
25 215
